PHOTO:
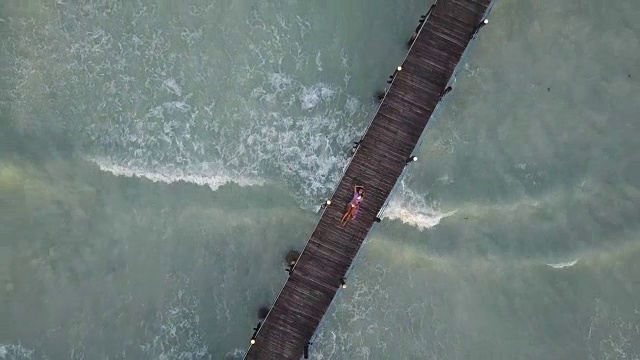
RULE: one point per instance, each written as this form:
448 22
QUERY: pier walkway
377 164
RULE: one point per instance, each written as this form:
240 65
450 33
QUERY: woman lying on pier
354 205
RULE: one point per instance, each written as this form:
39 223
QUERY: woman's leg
347 215
343 221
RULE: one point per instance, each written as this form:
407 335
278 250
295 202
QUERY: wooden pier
377 164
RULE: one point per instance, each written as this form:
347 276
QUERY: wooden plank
440 47
473 6
453 33
426 80
453 26
451 22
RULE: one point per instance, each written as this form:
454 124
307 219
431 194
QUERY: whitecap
178 105
312 96
156 112
327 92
236 354
565 264
421 218
280 81
172 86
309 98
410 208
352 106
11 351
212 176
318 61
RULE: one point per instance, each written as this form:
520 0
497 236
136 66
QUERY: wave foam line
170 174
418 218
565 264
411 208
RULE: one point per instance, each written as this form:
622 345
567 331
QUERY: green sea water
158 159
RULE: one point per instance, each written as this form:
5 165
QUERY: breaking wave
411 208
207 175
563 265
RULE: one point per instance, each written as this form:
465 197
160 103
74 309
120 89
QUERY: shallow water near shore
157 161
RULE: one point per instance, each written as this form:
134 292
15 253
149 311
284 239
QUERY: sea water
158 159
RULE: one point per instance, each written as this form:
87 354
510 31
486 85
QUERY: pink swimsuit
355 202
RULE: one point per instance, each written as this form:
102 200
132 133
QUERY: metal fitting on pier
478 27
343 283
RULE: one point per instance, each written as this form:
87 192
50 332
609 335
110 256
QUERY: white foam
318 62
565 264
178 105
152 128
177 332
309 98
172 86
352 106
173 143
279 81
236 354
213 179
412 209
327 92
313 95
156 112
10 351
